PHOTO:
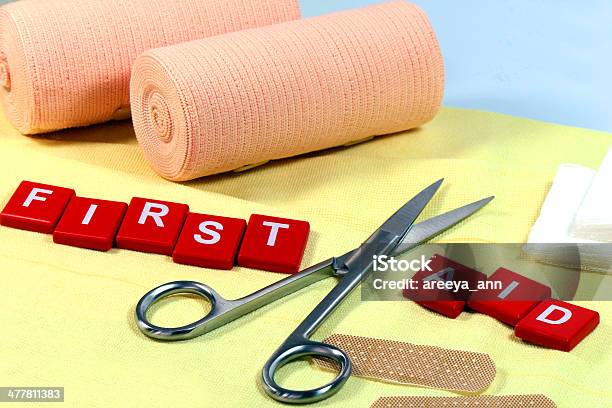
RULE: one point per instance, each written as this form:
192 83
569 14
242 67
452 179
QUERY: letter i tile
90 223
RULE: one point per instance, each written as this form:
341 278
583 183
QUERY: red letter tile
151 226
89 223
209 241
274 244
444 301
36 207
513 301
556 324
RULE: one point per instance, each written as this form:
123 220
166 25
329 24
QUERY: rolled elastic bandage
243 98
66 63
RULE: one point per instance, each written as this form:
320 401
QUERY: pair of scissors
395 236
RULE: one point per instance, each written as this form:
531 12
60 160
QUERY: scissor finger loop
291 352
188 331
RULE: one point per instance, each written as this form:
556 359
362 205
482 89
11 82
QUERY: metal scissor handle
222 310
306 348
219 305
300 348
299 345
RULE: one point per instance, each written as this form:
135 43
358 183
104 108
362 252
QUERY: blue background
541 59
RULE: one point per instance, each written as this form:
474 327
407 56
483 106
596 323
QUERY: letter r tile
151 226
274 244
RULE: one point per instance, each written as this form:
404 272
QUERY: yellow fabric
67 313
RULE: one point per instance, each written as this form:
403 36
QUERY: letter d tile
557 324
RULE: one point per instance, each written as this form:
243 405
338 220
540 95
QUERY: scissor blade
399 223
426 230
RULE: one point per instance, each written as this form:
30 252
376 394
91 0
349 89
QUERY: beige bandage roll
66 63
239 99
